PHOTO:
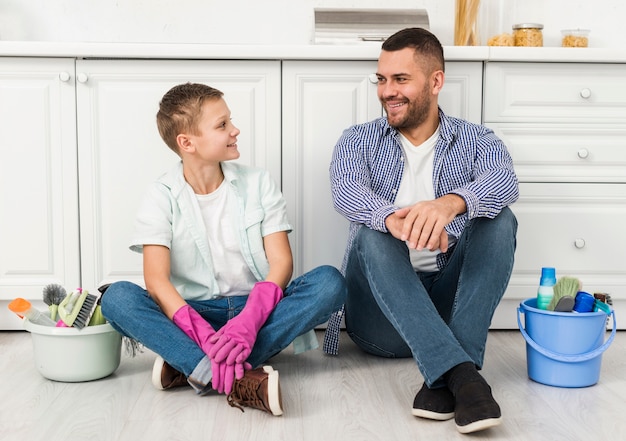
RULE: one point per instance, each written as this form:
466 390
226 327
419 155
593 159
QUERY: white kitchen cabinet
79 145
39 237
120 151
320 100
565 125
462 92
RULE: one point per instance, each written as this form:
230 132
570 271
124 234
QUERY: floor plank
350 397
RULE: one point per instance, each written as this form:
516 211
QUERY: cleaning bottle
546 287
23 308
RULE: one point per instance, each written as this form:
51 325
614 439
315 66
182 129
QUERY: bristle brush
53 295
77 308
564 294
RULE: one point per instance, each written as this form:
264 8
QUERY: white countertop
363 51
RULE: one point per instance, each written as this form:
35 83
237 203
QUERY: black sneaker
434 404
259 388
165 376
476 409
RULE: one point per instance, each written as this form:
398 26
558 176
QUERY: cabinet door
38 188
462 91
555 92
320 100
565 152
120 151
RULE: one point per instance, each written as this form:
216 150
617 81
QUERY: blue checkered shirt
367 166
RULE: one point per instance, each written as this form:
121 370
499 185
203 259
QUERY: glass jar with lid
496 18
528 34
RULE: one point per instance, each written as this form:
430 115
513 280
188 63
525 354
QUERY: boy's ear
184 143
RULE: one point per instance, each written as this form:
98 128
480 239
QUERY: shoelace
245 388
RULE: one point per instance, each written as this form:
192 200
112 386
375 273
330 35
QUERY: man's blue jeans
308 301
441 319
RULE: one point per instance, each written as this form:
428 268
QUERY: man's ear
184 143
438 78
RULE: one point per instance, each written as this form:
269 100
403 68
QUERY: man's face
403 89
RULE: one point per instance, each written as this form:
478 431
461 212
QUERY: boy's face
217 136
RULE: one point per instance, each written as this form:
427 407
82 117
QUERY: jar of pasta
575 38
528 34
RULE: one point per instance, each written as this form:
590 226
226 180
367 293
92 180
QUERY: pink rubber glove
227 373
234 341
200 331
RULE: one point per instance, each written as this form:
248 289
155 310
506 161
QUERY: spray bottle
23 308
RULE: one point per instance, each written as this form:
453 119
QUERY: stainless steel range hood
350 26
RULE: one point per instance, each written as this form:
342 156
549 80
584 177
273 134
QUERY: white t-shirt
231 271
417 185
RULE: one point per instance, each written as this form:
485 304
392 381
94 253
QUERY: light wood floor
350 397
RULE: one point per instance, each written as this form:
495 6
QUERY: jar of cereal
528 34
575 38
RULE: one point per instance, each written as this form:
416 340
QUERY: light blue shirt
169 215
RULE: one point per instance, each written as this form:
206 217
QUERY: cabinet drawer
562 153
555 92
576 228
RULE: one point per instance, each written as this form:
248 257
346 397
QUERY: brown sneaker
259 389
165 376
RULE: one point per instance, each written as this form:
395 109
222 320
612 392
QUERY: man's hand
423 224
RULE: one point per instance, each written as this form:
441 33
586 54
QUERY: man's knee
367 239
507 220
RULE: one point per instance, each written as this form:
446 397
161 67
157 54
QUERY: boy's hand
234 341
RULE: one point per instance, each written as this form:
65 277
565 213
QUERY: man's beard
416 114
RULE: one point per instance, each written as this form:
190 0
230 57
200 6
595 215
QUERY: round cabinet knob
64 76
585 93
583 153
82 77
579 243
373 79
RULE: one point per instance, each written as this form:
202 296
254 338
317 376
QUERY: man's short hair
428 49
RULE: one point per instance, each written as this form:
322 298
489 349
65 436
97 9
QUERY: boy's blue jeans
308 301
441 319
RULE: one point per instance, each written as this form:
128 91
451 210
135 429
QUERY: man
431 242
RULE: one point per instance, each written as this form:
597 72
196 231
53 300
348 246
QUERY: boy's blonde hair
180 110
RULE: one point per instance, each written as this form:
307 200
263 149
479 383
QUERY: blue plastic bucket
563 349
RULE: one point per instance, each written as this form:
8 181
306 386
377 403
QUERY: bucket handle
577 358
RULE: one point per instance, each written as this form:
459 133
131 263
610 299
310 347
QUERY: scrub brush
97 318
53 295
564 297
77 308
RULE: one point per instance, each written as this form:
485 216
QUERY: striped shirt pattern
367 167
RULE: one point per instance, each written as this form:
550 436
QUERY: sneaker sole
479 425
429 414
157 367
274 397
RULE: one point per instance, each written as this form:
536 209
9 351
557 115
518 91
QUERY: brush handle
53 311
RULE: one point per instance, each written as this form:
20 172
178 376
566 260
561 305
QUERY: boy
217 264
